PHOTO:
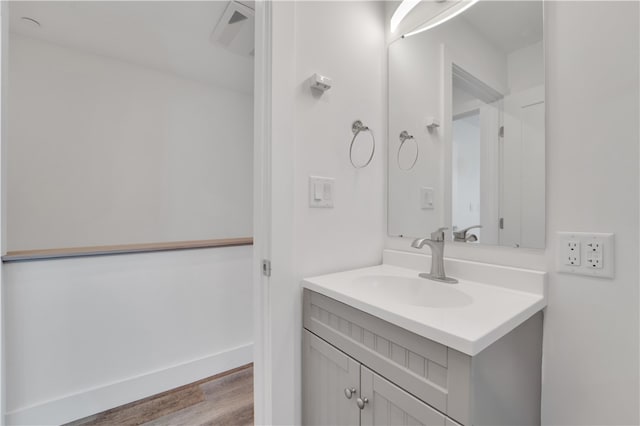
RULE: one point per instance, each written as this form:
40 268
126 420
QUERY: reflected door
522 204
465 178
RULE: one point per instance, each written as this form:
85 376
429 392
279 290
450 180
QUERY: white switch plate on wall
321 192
426 198
584 253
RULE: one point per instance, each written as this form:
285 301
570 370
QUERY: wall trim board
95 400
122 249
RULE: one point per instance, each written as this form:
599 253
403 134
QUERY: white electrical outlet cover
596 257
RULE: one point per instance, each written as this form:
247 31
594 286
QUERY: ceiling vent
235 29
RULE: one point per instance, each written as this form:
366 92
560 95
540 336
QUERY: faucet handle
438 235
461 235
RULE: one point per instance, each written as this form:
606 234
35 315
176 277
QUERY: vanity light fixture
445 16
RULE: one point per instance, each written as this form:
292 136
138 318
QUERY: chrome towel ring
357 127
405 136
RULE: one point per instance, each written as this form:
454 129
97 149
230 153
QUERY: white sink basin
411 291
467 316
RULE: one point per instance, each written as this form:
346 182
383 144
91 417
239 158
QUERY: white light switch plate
584 253
321 192
426 198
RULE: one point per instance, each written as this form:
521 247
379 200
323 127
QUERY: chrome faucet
462 237
436 243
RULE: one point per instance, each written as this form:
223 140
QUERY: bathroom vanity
383 346
386 345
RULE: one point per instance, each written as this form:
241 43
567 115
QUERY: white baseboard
101 398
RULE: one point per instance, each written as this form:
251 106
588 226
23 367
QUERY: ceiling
173 36
508 25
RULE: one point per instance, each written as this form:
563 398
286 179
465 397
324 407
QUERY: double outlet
585 254
593 251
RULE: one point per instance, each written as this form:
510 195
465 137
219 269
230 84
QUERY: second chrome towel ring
404 137
357 127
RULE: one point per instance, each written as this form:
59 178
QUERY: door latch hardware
266 267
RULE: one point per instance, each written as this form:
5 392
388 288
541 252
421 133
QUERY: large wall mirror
130 125
467 127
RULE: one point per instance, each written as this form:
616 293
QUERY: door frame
262 214
277 299
4 32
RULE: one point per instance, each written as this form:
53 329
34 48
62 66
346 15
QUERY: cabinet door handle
361 402
348 392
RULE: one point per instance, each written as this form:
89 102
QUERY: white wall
105 152
84 335
590 358
590 353
311 136
337 239
525 67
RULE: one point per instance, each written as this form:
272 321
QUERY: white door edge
262 214
4 32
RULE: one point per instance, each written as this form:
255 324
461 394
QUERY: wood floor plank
224 399
148 409
236 386
207 413
228 401
240 417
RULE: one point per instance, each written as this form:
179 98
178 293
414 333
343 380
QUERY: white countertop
487 313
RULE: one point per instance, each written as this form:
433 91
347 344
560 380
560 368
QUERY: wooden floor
225 399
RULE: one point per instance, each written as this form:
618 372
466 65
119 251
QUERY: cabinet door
326 373
389 405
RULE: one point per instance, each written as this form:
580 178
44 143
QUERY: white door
490 121
522 204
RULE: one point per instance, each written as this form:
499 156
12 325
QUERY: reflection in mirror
475 131
483 73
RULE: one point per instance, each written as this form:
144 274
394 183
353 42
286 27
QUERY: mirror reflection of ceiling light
403 10
31 22
445 16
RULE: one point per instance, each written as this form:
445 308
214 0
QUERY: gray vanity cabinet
411 380
334 384
390 405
